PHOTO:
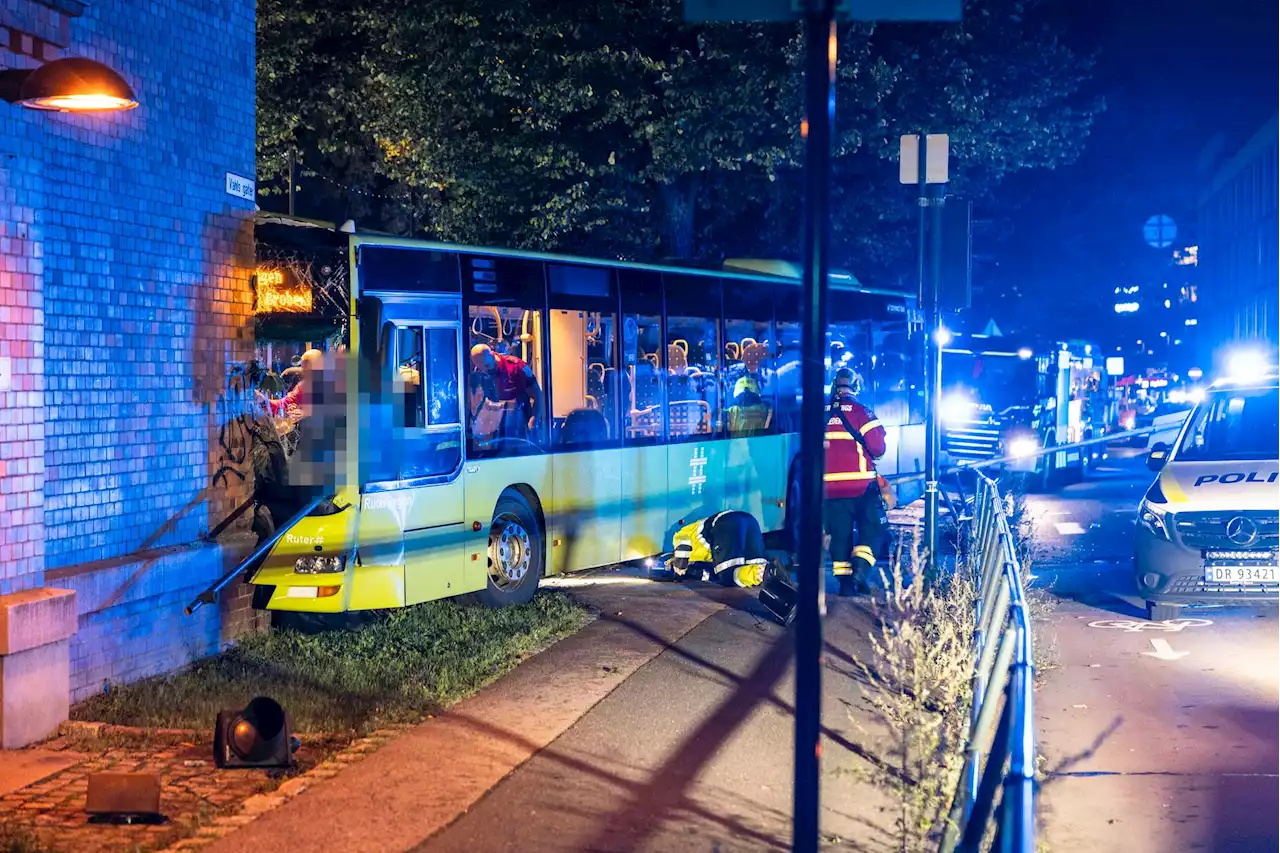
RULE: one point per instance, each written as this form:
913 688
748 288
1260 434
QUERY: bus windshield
1234 425
299 409
999 381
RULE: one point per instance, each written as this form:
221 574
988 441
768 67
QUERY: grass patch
396 670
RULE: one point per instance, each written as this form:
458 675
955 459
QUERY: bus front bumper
279 587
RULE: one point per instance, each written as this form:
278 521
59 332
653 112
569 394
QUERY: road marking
1163 651
1068 528
1173 625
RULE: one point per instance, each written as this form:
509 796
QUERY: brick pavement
200 802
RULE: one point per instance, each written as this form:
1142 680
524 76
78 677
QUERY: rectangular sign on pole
937 154
846 10
1115 365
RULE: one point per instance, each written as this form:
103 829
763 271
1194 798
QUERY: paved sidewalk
420 782
664 725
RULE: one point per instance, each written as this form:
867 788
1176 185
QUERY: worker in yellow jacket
727 548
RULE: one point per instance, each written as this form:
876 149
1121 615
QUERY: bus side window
748 388
426 401
506 379
643 358
583 378
644 390
787 364
693 350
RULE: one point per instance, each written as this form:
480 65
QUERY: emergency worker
727 548
854 511
513 380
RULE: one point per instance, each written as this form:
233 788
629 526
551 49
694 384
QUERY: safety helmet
847 377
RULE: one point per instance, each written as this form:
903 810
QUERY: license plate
1241 574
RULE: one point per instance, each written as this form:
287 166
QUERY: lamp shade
76 85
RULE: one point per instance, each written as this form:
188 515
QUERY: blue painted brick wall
124 300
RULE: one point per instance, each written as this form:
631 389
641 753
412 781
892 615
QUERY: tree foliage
614 127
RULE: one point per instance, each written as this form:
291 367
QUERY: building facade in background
1239 252
125 265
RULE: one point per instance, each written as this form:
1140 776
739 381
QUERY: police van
1208 528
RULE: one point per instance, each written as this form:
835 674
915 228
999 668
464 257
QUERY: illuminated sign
277 293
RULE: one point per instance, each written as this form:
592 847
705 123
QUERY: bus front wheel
516 554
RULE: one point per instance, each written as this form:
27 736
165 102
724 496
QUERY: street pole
932 360
819 79
933 366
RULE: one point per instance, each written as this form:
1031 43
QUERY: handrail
209 596
997 787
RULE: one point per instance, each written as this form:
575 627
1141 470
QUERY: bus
656 395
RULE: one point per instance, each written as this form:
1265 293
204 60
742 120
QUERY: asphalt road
1155 737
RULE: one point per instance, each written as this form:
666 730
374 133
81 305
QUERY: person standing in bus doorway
513 380
854 511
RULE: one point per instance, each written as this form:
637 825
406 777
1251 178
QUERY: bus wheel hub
509 544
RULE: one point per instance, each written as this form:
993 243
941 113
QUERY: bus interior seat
677 358
645 422
690 417
753 355
584 428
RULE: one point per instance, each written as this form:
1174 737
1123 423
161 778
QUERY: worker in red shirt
513 380
854 511
295 402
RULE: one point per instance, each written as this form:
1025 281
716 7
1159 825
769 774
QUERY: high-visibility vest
850 462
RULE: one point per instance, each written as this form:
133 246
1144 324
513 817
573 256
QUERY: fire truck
1005 398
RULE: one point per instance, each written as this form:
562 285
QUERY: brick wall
124 303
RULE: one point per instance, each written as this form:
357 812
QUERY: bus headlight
1021 448
310 565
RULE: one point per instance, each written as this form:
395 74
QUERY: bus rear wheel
516 553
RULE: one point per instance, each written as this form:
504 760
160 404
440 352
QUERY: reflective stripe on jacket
851 467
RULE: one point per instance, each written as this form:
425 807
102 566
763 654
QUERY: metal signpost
923 161
819 18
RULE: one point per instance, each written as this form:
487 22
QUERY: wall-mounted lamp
68 85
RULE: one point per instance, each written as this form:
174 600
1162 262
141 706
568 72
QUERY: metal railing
997 788
978 465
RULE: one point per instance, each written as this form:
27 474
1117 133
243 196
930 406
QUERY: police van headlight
311 565
1152 514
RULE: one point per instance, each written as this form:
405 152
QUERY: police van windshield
1234 425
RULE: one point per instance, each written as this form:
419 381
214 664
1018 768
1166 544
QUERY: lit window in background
1168 303
1188 257
1190 321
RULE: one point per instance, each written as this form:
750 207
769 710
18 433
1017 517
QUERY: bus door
411 446
585 525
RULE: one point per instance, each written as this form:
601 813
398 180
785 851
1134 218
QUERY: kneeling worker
727 548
